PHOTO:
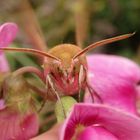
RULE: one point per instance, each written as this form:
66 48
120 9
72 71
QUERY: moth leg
42 105
93 93
81 80
50 83
90 92
44 97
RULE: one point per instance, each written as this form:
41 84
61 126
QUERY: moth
64 66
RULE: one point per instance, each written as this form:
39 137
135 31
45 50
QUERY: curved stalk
32 70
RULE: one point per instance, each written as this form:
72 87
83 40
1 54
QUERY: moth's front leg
50 82
81 80
92 92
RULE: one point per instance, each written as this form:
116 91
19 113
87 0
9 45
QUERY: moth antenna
33 51
103 42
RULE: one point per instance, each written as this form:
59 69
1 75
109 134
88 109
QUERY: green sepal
67 103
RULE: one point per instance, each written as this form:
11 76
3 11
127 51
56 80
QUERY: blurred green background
100 19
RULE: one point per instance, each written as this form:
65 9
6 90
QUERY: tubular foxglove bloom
7 34
100 122
115 79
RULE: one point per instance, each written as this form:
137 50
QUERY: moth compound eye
58 69
74 68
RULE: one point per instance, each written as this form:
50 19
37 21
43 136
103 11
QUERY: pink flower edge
18 126
96 133
123 125
2 104
114 65
113 90
4 66
114 79
8 33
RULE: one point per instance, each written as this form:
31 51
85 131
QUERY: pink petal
113 91
30 125
123 125
114 65
2 104
8 33
4 66
17 126
114 78
96 133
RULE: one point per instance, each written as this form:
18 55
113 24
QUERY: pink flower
7 34
100 122
115 79
17 126
18 119
4 67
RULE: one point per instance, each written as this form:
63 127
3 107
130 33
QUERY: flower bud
63 108
18 119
